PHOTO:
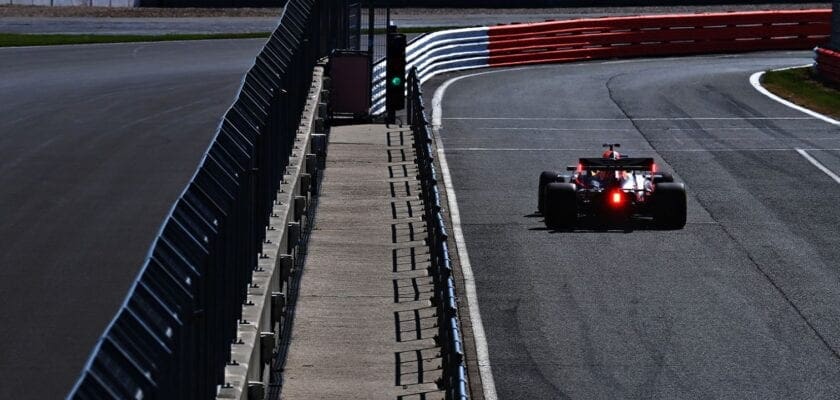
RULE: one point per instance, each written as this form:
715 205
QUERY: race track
96 143
742 303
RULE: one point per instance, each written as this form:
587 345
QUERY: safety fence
449 332
172 337
828 64
604 38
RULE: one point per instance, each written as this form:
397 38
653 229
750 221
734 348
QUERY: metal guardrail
435 53
449 332
828 64
171 338
604 38
657 35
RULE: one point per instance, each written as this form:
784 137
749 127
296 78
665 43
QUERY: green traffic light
396 81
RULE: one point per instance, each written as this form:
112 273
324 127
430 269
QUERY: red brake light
617 198
580 168
653 168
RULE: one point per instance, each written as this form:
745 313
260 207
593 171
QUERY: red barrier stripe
828 64
586 39
826 56
828 61
665 21
611 38
651 49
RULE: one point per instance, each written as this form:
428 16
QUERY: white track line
486 373
487 383
819 165
668 129
755 80
525 149
627 119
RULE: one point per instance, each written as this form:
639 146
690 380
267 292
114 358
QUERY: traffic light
395 73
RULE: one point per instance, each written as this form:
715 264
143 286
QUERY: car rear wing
621 164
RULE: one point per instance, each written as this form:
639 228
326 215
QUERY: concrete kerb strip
248 374
755 81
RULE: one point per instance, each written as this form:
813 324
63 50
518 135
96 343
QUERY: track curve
96 143
742 303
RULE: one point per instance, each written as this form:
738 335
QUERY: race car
613 187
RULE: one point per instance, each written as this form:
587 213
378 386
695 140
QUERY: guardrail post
278 308
256 390
287 263
305 182
268 341
311 163
300 207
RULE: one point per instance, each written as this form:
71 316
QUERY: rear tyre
546 177
670 205
560 205
663 177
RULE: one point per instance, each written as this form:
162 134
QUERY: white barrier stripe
435 53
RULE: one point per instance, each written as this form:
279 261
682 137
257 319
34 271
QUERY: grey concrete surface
136 26
742 303
96 143
363 323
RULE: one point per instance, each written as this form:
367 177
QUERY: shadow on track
593 224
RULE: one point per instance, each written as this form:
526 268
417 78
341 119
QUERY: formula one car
613 187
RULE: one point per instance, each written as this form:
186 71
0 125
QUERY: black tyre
560 205
670 205
546 177
663 177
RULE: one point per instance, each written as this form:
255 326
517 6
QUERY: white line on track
562 129
626 119
819 165
755 81
486 373
669 129
658 150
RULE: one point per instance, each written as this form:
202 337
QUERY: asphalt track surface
136 26
742 303
96 143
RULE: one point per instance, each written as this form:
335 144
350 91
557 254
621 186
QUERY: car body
614 189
